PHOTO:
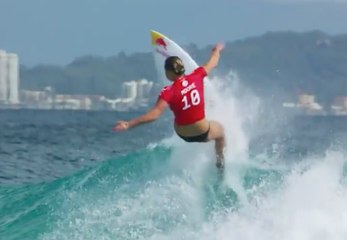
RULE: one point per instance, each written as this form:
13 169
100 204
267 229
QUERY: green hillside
276 64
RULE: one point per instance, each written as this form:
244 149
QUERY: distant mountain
288 63
91 74
276 64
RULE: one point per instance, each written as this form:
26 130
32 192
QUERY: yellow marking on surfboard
155 36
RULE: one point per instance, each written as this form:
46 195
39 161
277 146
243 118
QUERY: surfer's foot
220 167
220 160
220 164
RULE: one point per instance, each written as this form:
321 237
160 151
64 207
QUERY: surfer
185 97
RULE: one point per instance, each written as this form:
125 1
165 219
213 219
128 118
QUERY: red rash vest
186 97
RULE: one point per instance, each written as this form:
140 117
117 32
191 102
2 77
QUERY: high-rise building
9 78
143 89
3 76
129 90
12 77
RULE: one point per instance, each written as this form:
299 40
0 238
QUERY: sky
57 32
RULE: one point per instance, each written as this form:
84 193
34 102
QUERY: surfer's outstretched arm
153 114
214 58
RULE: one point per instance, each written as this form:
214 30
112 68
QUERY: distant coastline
290 70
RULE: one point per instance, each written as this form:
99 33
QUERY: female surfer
185 97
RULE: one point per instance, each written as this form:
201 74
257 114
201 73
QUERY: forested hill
279 64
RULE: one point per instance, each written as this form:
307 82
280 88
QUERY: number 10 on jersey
191 99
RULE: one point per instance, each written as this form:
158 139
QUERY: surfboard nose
158 39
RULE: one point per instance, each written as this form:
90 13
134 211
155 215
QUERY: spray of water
226 104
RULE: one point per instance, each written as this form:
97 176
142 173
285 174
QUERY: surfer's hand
219 47
121 126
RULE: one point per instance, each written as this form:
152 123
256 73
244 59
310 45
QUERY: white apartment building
9 78
129 90
143 89
13 78
3 76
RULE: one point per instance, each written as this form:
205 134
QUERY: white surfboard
165 47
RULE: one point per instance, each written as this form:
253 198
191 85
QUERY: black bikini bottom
199 138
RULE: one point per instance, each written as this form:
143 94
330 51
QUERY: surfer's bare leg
219 145
216 133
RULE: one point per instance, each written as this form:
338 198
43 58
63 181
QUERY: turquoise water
114 200
144 195
31 210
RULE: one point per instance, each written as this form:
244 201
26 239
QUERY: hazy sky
56 32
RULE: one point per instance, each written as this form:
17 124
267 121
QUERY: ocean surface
66 175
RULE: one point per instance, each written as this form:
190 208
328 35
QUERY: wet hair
175 65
